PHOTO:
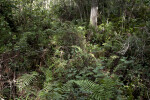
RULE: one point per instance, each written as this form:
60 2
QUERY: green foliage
26 80
106 89
6 25
54 54
51 91
5 33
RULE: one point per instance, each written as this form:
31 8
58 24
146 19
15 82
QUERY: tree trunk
94 13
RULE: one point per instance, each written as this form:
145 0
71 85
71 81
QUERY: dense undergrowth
47 54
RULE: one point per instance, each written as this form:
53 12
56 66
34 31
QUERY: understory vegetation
48 51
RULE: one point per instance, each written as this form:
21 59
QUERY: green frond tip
78 48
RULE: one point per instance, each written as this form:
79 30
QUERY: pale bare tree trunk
94 13
47 4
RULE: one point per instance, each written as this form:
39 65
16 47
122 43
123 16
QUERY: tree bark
94 13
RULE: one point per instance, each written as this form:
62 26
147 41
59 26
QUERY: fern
50 91
87 85
26 80
48 74
103 91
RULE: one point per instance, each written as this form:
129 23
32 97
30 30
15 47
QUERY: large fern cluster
26 80
104 91
34 86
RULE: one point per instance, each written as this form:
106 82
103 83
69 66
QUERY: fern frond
78 48
50 91
45 90
103 91
87 85
26 80
48 74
